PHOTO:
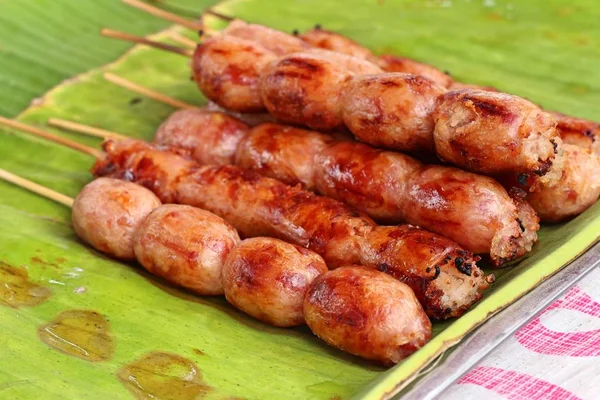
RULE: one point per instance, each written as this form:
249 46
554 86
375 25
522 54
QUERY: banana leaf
180 346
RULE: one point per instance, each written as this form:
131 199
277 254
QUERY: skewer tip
35 188
11 123
111 33
160 13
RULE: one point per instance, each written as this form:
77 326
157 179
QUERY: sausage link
259 206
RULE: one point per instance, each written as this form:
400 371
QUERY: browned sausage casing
307 88
578 131
391 63
328 40
473 210
267 279
366 313
494 133
259 206
212 137
282 152
576 190
107 212
276 41
392 110
227 71
186 246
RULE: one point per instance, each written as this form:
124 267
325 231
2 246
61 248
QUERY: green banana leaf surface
151 340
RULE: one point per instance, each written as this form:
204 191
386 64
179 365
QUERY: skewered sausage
366 313
578 131
329 91
329 40
282 43
265 277
259 206
212 137
186 246
494 133
577 188
268 278
472 210
572 130
306 88
391 110
276 41
229 70
107 212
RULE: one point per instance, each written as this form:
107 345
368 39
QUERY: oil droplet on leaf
17 291
163 376
80 333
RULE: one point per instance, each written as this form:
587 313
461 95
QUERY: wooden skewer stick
36 188
219 15
88 130
117 80
142 40
164 14
52 137
179 38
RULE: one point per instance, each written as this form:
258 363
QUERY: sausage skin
366 313
107 212
267 279
259 206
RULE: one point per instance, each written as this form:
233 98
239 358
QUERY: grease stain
199 352
39 261
166 376
83 334
17 291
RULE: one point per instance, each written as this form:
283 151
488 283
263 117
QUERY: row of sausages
252 68
356 309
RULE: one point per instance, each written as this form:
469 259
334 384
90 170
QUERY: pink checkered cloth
555 356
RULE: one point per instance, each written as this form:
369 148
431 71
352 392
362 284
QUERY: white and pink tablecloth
555 356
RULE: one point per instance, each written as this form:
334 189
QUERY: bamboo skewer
52 137
142 40
179 38
88 130
134 87
217 14
164 14
36 188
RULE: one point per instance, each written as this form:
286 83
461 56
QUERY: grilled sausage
392 110
276 41
473 210
107 212
268 278
578 131
328 40
227 71
366 313
186 246
212 137
494 133
576 190
259 206
307 88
